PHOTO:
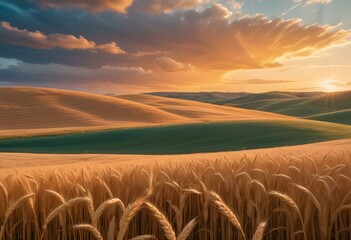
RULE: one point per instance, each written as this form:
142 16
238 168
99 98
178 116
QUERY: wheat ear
311 195
144 237
289 201
129 212
89 228
108 203
11 209
57 195
226 211
184 234
259 233
57 211
163 221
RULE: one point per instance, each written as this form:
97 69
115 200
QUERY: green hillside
342 116
330 107
189 138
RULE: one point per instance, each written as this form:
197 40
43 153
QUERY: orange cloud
13 35
92 5
262 81
163 6
210 40
170 65
121 6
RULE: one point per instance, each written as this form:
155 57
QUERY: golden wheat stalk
12 208
63 207
108 203
259 233
162 220
6 194
226 211
129 212
184 234
290 202
89 228
111 229
57 195
310 194
143 237
107 189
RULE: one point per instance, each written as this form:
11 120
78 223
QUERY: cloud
7 62
318 1
237 5
152 7
39 40
262 81
92 5
309 2
337 83
163 6
169 65
208 39
55 75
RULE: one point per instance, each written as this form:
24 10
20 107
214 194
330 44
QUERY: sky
133 46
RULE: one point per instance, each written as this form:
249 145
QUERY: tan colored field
200 111
36 111
300 192
9 161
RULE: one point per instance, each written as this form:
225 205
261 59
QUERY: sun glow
329 86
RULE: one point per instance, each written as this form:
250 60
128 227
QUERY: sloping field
200 111
187 138
342 116
330 107
208 97
35 111
32 108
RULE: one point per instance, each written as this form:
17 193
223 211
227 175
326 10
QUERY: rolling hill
148 124
197 111
208 97
39 111
331 107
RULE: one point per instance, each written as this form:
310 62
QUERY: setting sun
329 86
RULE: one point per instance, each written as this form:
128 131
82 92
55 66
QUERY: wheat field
264 197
